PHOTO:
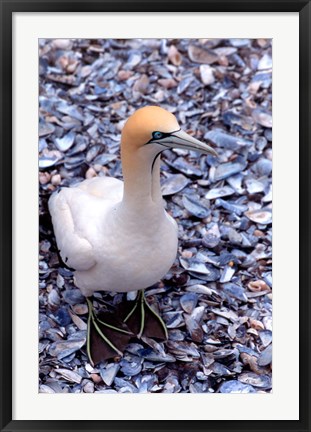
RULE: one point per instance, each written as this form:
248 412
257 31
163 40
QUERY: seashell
70 110
201 289
207 74
106 391
267 277
229 168
231 207
141 84
195 266
210 240
78 321
174 184
89 387
235 182
239 42
53 298
225 51
268 197
62 44
104 159
258 285
180 348
226 313
64 143
265 337
167 83
173 319
265 357
45 128
69 375
254 186
188 302
224 140
225 353
230 118
234 386
124 386
202 55
235 291
263 79
227 274
265 62
198 387
260 381
262 117
235 237
197 313
263 167
131 365
145 383
261 143
262 216
268 134
237 60
64 348
42 145
212 276
74 161
220 370
73 296
195 329
109 372
48 161
46 389
184 84
151 355
174 55
93 152
267 321
92 131
219 192
134 60
62 316
81 143
176 335
194 207
171 385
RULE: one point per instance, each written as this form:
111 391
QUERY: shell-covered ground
217 298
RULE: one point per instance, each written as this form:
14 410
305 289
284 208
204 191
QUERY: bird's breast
132 252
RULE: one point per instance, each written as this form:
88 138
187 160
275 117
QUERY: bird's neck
141 173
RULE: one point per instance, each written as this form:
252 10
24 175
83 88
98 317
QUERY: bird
116 235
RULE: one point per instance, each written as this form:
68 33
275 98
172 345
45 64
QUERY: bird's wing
108 188
76 251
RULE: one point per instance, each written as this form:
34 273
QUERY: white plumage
109 246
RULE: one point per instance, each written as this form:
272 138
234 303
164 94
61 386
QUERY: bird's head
154 127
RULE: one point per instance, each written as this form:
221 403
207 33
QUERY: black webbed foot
107 335
143 320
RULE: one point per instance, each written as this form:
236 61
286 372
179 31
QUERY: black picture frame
8 7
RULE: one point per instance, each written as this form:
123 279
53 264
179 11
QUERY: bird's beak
181 139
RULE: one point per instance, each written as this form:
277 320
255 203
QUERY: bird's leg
144 321
106 336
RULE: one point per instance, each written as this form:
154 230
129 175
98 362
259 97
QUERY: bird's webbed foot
107 336
143 320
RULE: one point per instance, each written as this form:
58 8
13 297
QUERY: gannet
116 235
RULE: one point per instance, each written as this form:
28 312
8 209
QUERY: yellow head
140 127
154 126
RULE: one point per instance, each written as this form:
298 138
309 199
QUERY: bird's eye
157 135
